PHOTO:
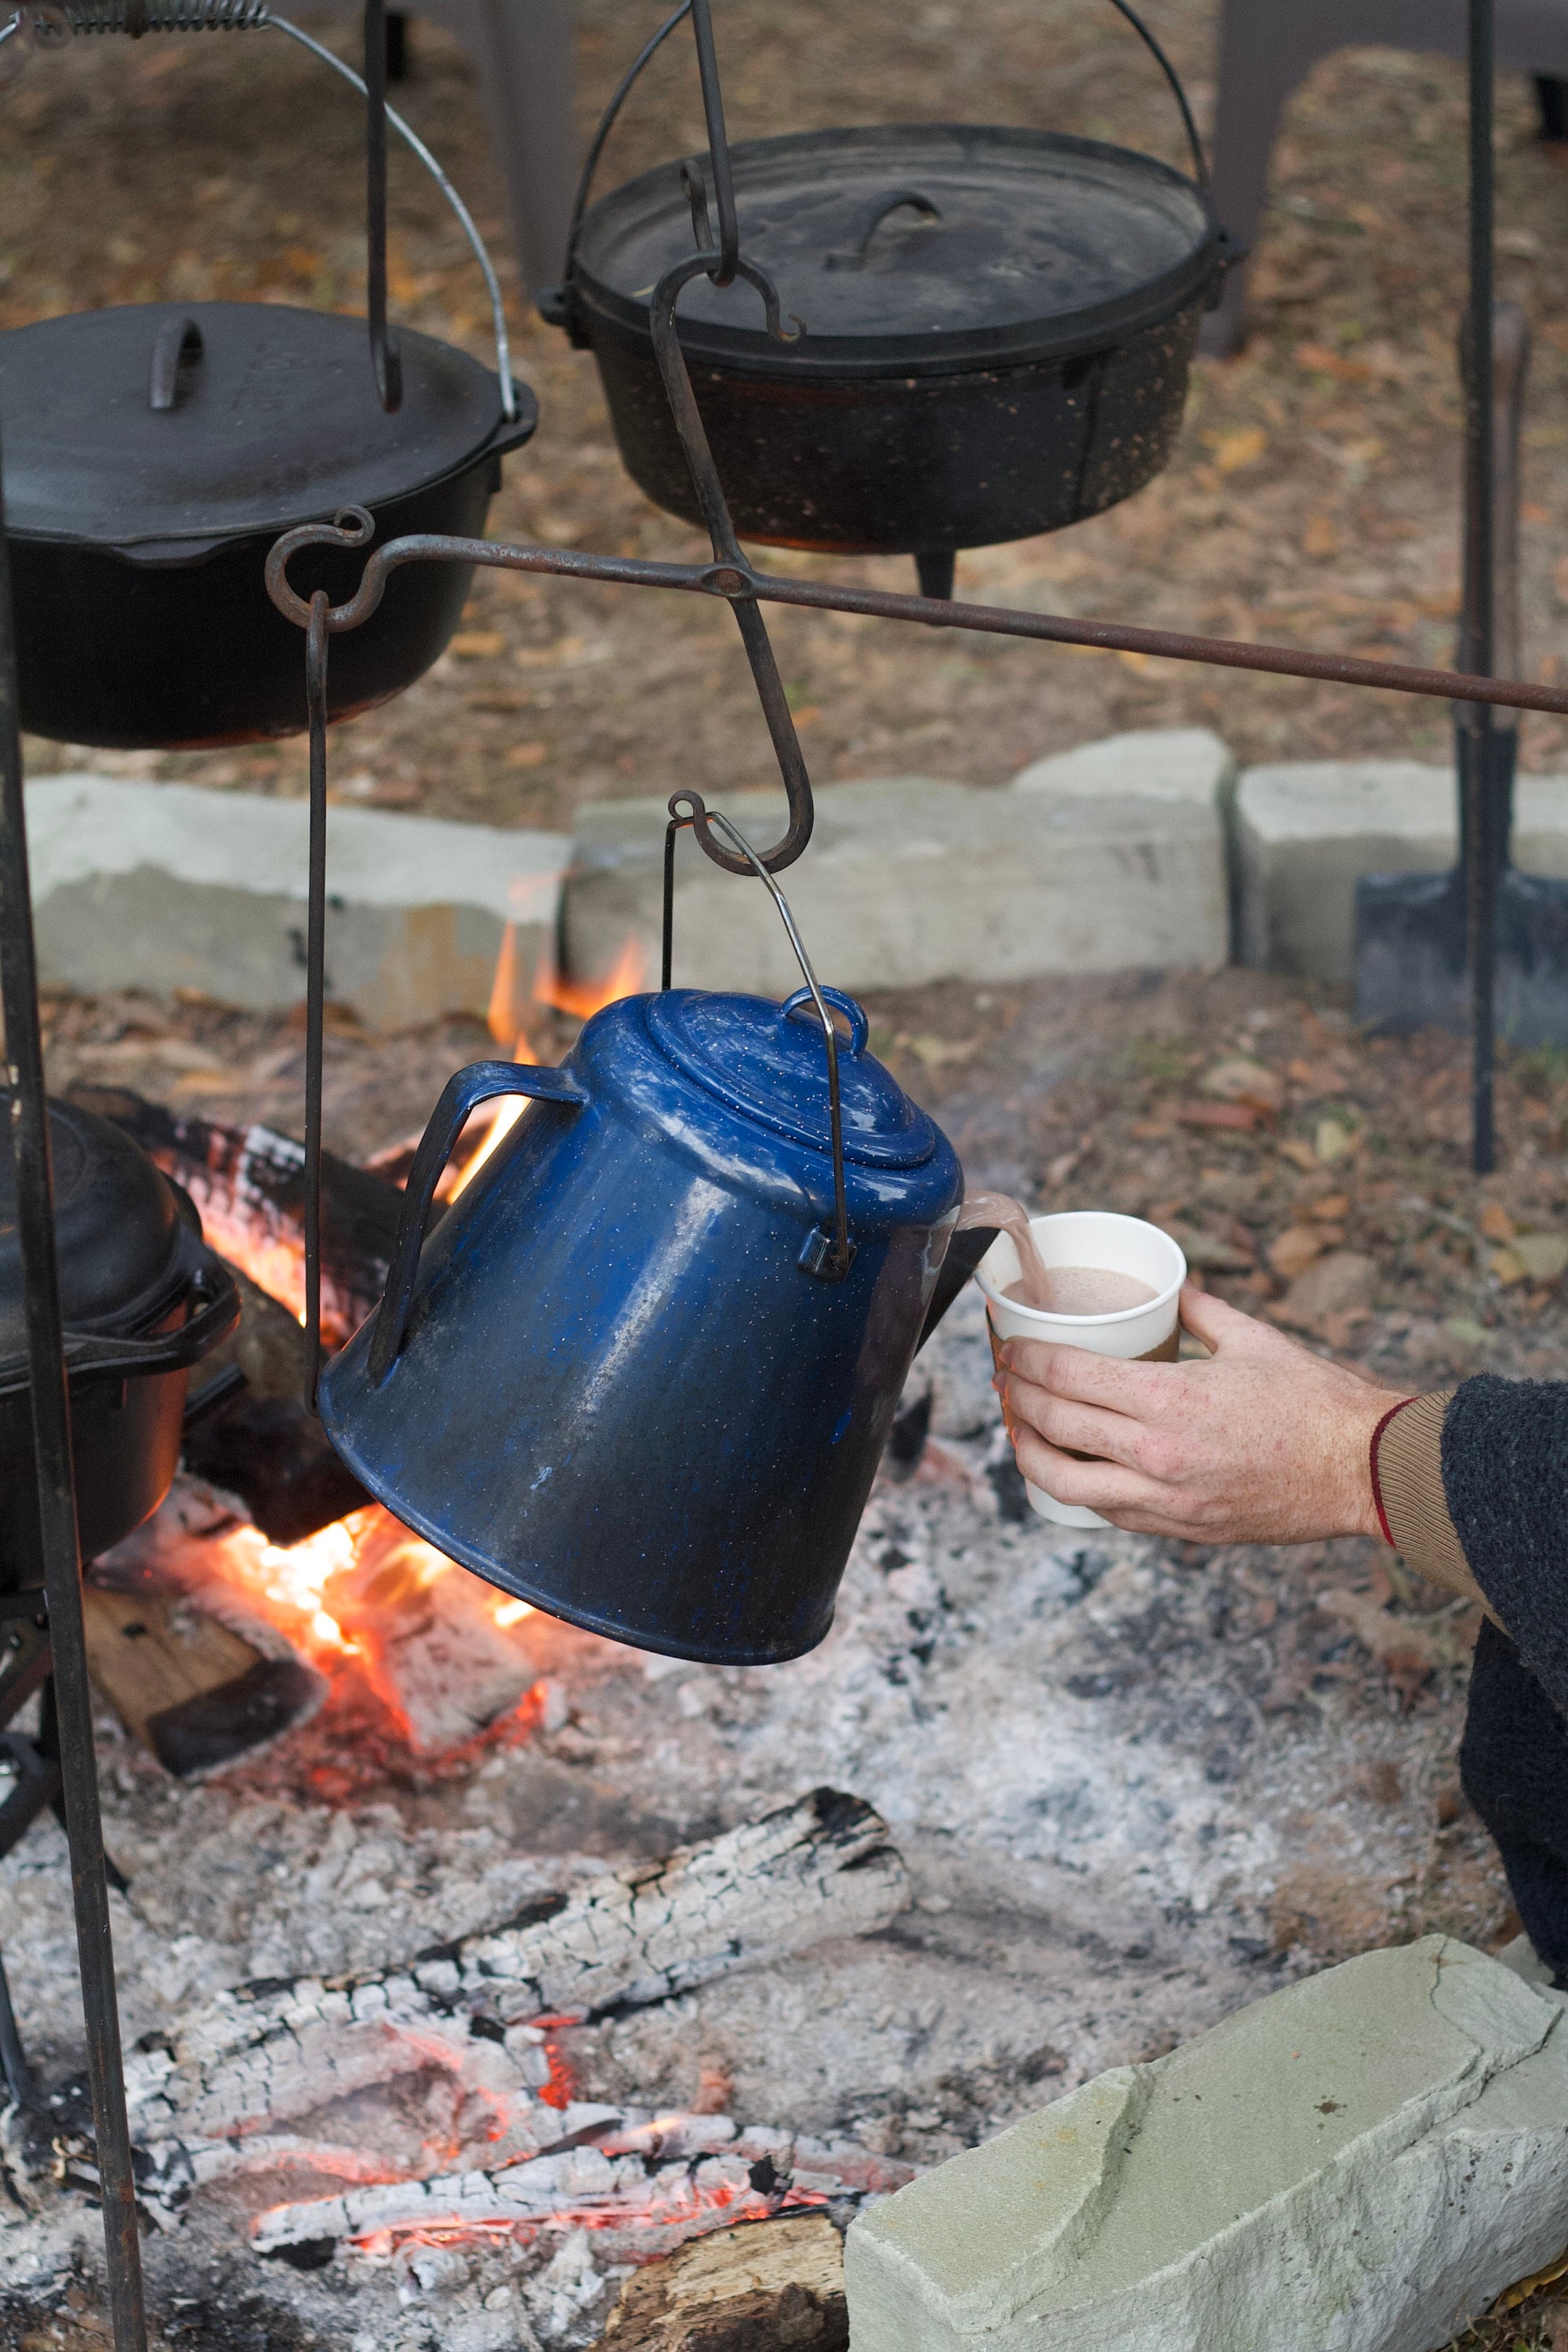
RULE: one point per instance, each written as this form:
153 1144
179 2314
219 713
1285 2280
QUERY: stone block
1359 2163
1108 859
1305 833
1151 763
168 886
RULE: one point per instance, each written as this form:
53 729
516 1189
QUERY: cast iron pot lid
1041 247
274 421
773 1068
121 1239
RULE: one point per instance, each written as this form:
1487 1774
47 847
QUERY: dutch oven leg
936 575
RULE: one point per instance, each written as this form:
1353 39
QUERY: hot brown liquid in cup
1084 1290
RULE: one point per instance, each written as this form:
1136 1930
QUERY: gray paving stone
167 885
1359 2163
1108 858
1306 830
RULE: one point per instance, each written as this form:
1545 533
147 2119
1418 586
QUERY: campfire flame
365 1591
580 999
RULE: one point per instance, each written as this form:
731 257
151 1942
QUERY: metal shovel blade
1411 968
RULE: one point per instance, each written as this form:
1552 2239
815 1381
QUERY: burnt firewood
248 1184
821 1867
275 1456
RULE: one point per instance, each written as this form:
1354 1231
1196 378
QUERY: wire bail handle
829 1255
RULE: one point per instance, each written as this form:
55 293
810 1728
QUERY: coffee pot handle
463 1093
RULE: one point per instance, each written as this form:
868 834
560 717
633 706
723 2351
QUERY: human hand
1264 1443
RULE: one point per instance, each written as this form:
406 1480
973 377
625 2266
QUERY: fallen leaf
1151 1130
1496 1223
1233 450
1240 1116
1209 1251
527 755
1292 1252
1339 1288
1406 1650
1315 1077
1467 1333
476 644
1332 1140
1320 359
1320 538
1300 1154
1333 1209
564 651
1507 1267
1238 1079
1560 579
1543 1256
1515 2296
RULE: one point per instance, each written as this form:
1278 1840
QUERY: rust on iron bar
740 583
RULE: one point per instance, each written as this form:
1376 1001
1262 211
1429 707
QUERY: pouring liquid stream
1057 1290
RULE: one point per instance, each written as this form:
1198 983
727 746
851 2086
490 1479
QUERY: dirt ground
1339 1163
1312 496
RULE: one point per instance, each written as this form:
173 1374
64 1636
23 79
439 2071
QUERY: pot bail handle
177 347
463 1093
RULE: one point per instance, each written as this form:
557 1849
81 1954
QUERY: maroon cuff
1372 1464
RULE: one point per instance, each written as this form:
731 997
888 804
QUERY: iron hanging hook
716 514
386 358
349 526
727 261
316 641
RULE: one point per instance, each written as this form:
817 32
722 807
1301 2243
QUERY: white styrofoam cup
1118 1246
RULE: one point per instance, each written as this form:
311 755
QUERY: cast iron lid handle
870 220
176 351
217 1301
464 1091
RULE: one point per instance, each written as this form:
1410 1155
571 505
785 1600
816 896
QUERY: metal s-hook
716 514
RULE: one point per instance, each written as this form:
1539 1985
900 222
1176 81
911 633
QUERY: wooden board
761 2288
193 1693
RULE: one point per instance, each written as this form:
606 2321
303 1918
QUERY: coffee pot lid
769 1062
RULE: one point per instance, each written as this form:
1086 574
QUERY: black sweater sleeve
1505 1475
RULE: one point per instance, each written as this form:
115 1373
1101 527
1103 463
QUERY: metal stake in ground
1478 731
56 1515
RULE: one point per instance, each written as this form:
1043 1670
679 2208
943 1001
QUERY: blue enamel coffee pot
640 1374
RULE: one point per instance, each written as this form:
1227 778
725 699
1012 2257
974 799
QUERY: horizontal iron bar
741 583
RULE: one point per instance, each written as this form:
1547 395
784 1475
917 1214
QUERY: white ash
1130 1790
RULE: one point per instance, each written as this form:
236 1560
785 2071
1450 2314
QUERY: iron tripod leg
26 1109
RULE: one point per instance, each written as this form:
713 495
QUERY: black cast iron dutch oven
998 328
154 453
142 1299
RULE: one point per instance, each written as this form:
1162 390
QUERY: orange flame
580 999
313 1592
583 998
